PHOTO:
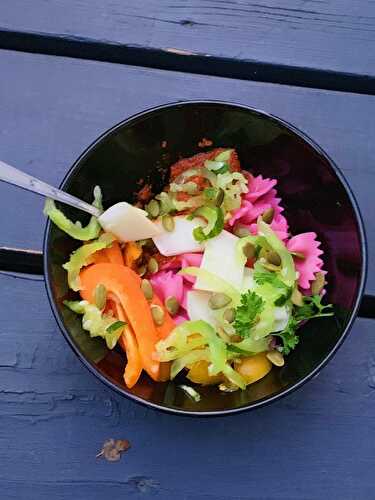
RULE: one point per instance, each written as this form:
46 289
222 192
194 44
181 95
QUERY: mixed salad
206 282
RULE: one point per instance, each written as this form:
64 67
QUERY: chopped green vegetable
262 277
188 338
288 272
166 203
191 357
115 326
234 184
247 313
80 258
191 392
215 222
192 172
252 346
232 348
96 323
188 187
218 167
75 229
192 202
210 193
224 155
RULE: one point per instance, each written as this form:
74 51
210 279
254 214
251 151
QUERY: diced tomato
145 193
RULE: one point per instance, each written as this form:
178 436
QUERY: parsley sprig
247 313
312 308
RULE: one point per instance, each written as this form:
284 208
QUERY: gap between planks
184 61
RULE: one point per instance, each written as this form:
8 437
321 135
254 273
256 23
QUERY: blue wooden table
69 70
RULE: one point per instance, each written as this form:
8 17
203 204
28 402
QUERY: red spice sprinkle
205 143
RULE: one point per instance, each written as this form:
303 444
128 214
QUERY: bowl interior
139 151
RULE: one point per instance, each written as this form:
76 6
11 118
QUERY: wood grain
55 416
52 108
325 34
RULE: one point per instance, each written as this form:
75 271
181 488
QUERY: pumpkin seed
153 208
219 198
249 250
270 267
276 358
273 258
100 296
147 290
298 255
141 270
157 314
262 253
241 231
172 305
152 265
297 298
229 315
268 215
228 387
168 223
219 300
229 329
318 284
224 335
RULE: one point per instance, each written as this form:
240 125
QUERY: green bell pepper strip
191 357
215 222
96 323
80 258
288 272
75 229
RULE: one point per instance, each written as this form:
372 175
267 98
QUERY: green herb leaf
313 308
246 313
289 336
115 326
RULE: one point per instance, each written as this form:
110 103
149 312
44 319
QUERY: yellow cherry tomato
254 368
198 374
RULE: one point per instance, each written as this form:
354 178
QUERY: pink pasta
308 245
260 197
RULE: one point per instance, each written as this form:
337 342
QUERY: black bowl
316 198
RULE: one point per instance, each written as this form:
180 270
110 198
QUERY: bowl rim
263 401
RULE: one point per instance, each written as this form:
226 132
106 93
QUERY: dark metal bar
185 61
21 261
367 307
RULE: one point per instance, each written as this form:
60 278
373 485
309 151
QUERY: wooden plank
331 35
55 107
55 416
